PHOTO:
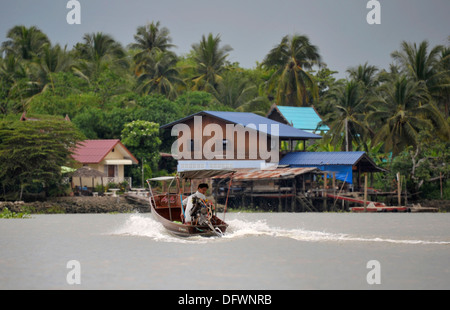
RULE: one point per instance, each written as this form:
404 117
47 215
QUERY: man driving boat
200 193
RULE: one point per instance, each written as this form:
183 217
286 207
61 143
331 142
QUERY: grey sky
250 27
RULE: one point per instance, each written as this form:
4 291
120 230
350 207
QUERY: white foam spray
145 226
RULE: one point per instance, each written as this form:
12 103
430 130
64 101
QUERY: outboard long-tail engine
199 212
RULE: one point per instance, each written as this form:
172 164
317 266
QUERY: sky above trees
251 27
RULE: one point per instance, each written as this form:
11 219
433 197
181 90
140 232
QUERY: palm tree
290 60
235 90
25 43
53 60
441 91
149 38
14 84
416 62
402 112
158 73
346 121
210 60
365 74
430 67
97 52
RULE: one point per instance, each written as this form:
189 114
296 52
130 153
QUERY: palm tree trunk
346 134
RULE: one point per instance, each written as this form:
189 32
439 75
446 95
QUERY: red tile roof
94 151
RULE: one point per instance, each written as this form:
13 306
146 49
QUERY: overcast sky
251 27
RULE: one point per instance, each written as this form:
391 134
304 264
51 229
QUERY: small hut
87 172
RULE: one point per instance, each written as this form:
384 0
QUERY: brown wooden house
230 140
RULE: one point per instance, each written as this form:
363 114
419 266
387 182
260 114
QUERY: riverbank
72 205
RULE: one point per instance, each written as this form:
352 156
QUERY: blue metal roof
321 158
304 118
246 118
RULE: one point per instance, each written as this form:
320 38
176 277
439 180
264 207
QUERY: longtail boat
168 209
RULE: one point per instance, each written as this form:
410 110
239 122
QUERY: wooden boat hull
170 218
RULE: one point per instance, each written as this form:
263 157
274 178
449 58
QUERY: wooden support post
280 206
365 192
294 194
334 183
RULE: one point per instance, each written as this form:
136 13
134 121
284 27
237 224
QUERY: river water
287 251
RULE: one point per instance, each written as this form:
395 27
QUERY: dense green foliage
33 152
102 86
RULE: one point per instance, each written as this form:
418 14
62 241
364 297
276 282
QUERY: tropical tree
403 109
14 86
158 74
210 60
430 66
53 60
25 43
442 87
149 38
32 153
235 90
290 59
417 63
142 139
98 52
366 75
346 121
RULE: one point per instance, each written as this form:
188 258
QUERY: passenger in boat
187 203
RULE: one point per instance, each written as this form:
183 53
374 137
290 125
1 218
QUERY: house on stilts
267 178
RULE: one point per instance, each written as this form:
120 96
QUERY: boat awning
271 174
118 162
203 174
167 178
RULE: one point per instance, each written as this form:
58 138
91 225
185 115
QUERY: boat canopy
167 178
203 174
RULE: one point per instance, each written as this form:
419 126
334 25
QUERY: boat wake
240 228
139 225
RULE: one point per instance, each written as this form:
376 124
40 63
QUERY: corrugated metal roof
252 174
246 118
304 118
321 158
